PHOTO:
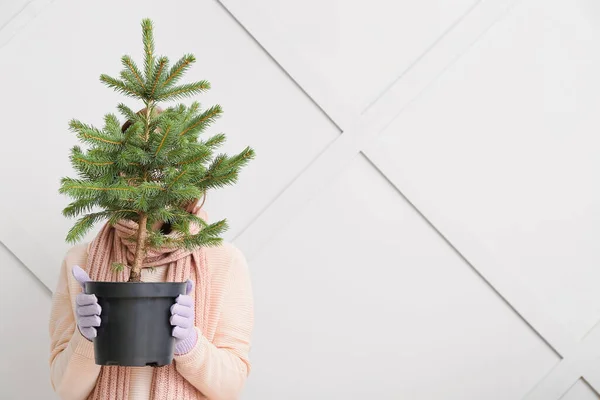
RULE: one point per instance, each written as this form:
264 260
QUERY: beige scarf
110 245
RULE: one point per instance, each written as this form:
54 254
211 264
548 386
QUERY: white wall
24 310
422 217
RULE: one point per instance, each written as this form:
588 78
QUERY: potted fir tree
143 171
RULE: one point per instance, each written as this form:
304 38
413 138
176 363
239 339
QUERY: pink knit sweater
217 368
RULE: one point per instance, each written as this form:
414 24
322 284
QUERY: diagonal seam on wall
28 252
31 273
19 21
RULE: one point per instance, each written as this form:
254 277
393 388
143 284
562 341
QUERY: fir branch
84 160
93 136
175 111
120 86
145 193
183 172
224 170
78 207
155 240
204 119
117 215
219 160
162 214
128 113
191 242
175 154
162 142
192 110
159 124
148 40
215 141
132 134
118 267
211 181
133 68
88 190
182 91
180 226
178 69
112 124
134 154
215 228
198 154
91 165
208 236
184 193
84 224
158 75
241 159
126 161
129 78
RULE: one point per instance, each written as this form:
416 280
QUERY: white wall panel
24 341
359 298
503 147
16 14
358 48
8 10
58 62
581 391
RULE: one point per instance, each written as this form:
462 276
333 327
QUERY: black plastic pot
135 329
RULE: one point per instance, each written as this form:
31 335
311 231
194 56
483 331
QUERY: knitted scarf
111 245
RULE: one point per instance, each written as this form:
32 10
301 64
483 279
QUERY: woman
212 324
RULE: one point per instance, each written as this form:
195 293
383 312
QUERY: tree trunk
140 251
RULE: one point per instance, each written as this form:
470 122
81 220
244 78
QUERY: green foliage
118 266
157 163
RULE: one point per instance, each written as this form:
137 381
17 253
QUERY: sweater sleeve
73 371
219 369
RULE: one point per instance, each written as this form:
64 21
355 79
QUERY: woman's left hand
182 319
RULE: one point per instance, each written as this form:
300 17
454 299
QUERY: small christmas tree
157 163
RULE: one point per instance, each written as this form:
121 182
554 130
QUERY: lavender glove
86 307
182 319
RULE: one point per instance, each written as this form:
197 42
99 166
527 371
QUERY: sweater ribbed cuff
81 345
187 344
196 355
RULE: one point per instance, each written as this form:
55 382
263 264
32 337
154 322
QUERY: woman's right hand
86 307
